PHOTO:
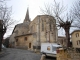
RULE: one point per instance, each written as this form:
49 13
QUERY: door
29 45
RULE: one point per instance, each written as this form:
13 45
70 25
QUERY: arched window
50 26
42 25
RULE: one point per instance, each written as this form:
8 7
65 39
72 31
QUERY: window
42 25
25 38
50 25
54 48
78 42
16 40
77 34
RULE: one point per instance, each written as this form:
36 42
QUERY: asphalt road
50 58
19 54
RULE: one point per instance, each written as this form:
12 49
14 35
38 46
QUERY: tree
56 11
5 17
76 13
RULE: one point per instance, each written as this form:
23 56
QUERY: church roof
23 25
24 35
20 25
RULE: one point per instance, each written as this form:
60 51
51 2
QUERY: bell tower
27 20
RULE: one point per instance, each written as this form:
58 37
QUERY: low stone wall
68 54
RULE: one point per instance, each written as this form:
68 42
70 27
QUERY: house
75 37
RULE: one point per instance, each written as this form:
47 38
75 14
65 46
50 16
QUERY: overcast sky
19 7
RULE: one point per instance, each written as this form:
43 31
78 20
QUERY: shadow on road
50 58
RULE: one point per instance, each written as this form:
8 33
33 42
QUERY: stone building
61 40
75 37
20 29
30 34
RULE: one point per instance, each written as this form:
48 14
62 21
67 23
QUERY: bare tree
56 11
76 12
5 17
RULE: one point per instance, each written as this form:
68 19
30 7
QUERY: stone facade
75 37
61 40
32 33
68 54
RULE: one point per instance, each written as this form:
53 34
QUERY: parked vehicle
50 49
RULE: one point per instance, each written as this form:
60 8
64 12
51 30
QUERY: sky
19 8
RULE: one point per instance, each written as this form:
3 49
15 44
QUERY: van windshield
54 48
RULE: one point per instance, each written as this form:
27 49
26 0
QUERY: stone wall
68 54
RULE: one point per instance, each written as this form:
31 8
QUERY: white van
50 49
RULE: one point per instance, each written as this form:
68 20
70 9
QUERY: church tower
27 20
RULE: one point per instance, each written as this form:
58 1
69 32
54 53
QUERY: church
30 34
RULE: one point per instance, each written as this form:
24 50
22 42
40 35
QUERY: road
50 58
19 54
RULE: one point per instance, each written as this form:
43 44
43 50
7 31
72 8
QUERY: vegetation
64 20
6 21
76 13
